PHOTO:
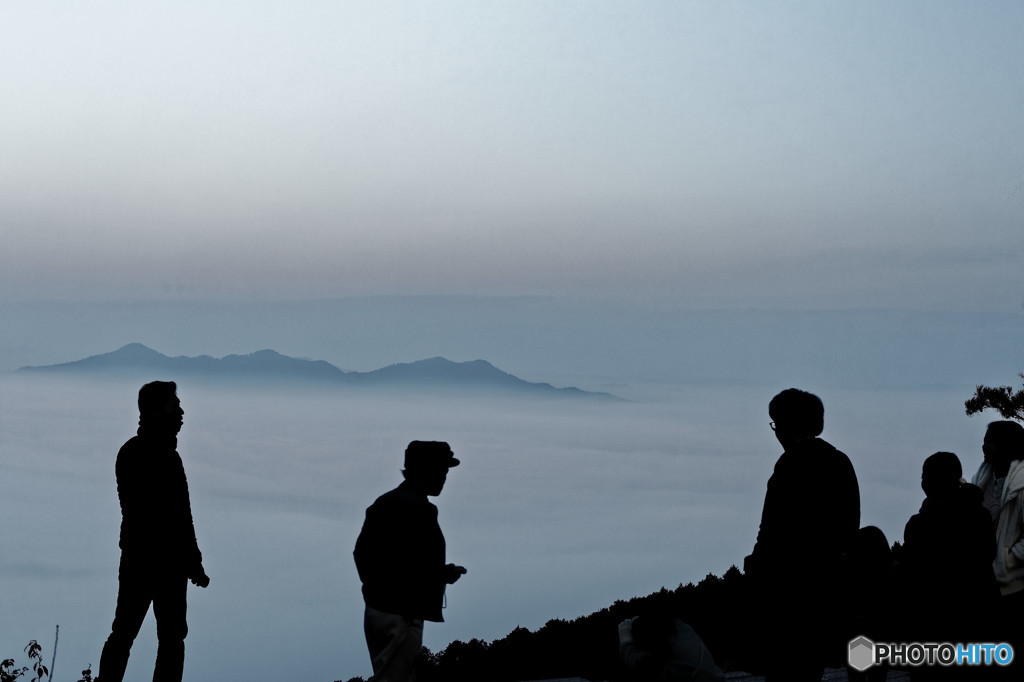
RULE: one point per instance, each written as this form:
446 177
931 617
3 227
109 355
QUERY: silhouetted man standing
811 515
159 553
400 556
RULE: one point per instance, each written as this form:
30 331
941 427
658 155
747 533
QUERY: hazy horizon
595 346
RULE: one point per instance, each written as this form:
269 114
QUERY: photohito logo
863 653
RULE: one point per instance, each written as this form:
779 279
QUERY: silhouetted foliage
426 666
464 661
717 607
9 673
1003 399
588 646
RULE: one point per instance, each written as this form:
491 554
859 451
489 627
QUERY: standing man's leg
133 598
792 614
169 607
394 642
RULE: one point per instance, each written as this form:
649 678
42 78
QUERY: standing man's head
941 474
159 407
796 415
1004 443
427 463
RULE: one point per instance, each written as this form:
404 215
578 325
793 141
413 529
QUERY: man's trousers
394 642
138 588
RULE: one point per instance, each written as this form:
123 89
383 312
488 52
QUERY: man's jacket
157 532
811 510
400 555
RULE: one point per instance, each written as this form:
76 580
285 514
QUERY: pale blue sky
814 154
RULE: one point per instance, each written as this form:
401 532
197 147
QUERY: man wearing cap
400 557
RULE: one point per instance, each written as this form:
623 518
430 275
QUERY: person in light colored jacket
1001 479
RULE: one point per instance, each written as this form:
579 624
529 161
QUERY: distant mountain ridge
269 365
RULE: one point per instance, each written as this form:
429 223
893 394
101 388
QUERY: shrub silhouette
588 646
9 673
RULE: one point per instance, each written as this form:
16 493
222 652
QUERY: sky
379 182
713 154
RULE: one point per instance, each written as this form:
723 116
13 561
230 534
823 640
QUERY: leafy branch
1003 399
9 673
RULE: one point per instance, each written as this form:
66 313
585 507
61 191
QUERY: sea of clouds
560 507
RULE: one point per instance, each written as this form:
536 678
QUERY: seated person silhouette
871 593
661 648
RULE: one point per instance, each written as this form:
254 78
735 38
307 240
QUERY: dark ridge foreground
831 675
587 648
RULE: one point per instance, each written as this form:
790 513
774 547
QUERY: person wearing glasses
810 517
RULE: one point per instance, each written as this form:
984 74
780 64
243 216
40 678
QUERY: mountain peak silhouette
267 365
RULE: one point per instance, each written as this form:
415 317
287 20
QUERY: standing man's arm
771 513
365 553
452 573
853 490
194 561
138 510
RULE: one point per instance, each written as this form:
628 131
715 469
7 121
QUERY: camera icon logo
861 655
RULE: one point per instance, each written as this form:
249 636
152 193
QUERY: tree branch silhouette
1003 399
